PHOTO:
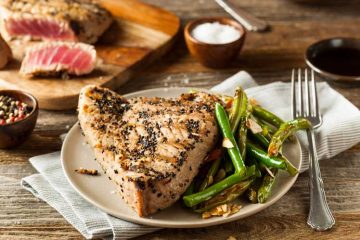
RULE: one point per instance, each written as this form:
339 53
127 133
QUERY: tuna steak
54 58
151 148
64 20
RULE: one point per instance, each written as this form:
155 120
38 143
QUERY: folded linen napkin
340 131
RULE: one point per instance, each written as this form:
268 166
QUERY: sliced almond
253 126
224 207
235 208
224 210
227 143
206 215
269 172
226 214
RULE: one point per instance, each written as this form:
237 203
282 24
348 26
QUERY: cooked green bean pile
248 157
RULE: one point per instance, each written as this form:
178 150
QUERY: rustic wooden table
268 57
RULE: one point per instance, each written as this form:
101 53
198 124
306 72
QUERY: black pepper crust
137 138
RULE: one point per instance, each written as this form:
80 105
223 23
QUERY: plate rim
150 221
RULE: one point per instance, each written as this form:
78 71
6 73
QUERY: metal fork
320 217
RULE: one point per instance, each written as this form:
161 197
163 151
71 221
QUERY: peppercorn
12 110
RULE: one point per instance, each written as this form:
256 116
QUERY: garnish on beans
250 148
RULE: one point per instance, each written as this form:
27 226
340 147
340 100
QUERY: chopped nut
226 214
206 215
270 172
222 210
235 208
224 207
92 172
253 126
227 143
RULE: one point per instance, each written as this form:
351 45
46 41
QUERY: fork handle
320 217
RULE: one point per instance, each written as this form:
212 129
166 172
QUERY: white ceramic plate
99 190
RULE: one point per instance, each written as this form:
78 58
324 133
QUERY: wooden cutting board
141 33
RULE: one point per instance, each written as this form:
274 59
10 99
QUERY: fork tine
293 94
307 99
314 95
300 94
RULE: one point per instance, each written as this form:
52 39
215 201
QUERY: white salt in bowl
213 42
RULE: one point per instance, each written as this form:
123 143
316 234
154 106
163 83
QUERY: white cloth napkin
340 131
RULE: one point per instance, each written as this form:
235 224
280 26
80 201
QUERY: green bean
265 143
225 196
235 114
209 178
265 188
261 156
234 151
286 129
234 119
267 116
242 131
260 139
213 190
291 169
250 162
267 128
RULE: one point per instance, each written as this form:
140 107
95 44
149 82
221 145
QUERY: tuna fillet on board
151 148
64 20
54 58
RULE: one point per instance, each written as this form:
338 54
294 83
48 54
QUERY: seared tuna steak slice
151 148
53 58
64 20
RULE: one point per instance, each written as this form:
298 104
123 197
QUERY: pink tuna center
39 29
74 60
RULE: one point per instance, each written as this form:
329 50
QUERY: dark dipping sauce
338 60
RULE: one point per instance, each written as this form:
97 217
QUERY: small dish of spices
214 42
12 110
18 115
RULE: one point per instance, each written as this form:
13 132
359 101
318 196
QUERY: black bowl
335 59
13 134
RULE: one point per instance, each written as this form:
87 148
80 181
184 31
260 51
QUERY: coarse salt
215 33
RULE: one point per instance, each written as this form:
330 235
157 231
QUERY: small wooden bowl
13 134
214 55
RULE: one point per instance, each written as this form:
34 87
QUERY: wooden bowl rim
224 20
27 95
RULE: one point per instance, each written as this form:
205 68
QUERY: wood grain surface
126 47
268 57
